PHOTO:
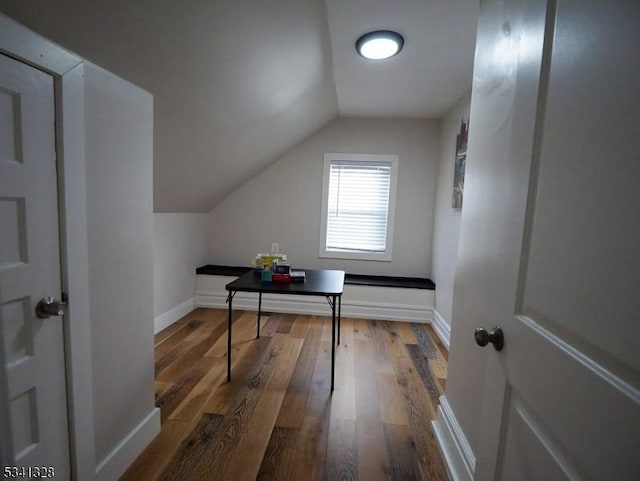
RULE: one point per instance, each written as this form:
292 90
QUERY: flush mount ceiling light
380 44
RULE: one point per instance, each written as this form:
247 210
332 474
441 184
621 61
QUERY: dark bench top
212 270
353 279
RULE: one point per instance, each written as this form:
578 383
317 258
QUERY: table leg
259 310
229 339
333 341
339 316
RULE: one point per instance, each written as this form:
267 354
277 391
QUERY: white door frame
68 71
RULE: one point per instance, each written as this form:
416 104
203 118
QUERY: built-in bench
365 296
349 279
369 297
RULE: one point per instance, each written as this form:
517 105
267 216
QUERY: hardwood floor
277 419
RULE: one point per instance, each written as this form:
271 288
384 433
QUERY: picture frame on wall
460 165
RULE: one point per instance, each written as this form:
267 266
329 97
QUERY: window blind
358 206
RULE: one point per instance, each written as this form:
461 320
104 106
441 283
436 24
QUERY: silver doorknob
495 337
49 306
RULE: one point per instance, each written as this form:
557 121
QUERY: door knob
48 306
495 337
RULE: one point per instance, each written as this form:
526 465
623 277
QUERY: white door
32 348
550 238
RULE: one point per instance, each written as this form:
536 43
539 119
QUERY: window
358 200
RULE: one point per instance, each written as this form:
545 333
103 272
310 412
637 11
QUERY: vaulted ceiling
236 84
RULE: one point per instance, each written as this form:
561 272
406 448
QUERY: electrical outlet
275 248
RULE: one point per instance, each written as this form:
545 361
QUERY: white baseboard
172 315
317 306
117 461
442 328
460 460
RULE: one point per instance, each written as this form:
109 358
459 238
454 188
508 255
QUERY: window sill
355 256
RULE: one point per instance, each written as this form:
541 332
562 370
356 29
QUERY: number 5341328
28 472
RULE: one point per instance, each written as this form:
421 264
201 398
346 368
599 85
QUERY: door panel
17 333
10 126
586 409
584 245
32 348
530 450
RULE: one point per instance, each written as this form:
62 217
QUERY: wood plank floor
277 419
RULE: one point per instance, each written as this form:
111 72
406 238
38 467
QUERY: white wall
179 246
119 156
283 203
446 229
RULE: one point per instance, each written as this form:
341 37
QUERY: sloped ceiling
236 84
433 70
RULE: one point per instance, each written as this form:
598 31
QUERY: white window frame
369 159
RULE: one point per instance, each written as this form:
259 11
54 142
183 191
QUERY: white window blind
358 206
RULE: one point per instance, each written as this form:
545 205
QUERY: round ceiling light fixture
380 44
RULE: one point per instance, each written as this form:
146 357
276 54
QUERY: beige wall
446 229
179 246
235 84
283 203
119 156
